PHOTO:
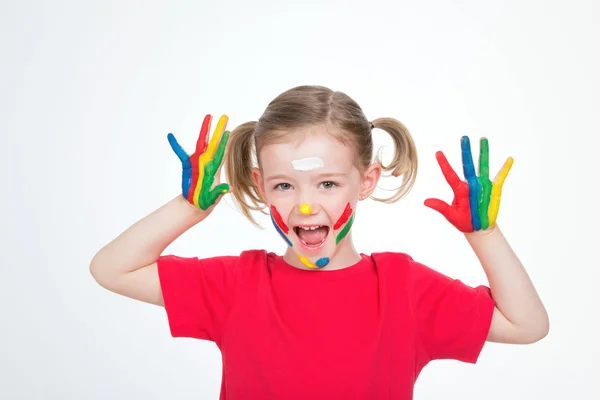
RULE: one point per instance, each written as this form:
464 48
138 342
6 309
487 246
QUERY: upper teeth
310 228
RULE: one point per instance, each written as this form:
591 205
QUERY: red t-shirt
363 332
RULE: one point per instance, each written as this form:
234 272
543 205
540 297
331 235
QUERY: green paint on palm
484 181
209 195
345 230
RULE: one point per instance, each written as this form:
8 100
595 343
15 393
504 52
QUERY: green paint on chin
344 232
207 196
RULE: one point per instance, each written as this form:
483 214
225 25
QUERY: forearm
511 287
143 242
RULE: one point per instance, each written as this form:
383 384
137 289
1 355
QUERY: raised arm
519 316
128 264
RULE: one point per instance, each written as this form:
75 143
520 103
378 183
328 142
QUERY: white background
89 91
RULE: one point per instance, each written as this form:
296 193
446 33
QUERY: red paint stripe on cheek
278 220
345 215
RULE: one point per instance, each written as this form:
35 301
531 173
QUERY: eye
283 186
328 185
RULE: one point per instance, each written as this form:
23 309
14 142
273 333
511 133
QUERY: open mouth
312 236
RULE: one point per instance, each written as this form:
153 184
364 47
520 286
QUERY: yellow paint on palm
306 261
208 155
494 206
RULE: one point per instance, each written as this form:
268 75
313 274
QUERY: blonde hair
304 106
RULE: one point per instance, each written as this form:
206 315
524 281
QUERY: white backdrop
89 91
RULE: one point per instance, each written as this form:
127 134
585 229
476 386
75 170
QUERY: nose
307 208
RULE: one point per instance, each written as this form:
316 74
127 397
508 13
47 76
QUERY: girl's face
312 188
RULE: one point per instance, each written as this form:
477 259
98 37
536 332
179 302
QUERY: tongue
312 237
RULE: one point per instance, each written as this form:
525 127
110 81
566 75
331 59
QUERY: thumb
176 147
221 155
438 205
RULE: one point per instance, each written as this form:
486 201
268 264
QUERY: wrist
480 233
194 212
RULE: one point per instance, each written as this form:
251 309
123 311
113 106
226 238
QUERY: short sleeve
196 294
453 319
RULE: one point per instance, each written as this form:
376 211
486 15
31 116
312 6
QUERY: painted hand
201 170
477 201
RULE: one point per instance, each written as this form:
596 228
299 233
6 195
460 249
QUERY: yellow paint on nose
305 209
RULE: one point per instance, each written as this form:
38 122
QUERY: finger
471 177
218 191
219 158
484 201
216 138
209 197
485 183
467 158
203 137
493 209
484 158
495 198
503 173
186 181
438 205
185 162
183 156
474 194
449 173
220 153
195 178
212 169
459 217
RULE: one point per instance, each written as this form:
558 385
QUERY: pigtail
405 162
239 163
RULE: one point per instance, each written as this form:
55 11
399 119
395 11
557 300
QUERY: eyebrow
276 177
323 175
332 175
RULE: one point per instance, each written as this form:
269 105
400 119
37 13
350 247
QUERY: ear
370 180
258 179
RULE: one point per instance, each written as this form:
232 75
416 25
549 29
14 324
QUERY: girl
323 321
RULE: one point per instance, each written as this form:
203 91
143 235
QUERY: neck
345 256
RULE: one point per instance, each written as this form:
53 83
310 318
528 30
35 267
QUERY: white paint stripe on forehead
306 164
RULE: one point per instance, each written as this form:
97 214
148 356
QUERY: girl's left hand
477 200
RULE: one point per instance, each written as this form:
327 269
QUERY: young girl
323 321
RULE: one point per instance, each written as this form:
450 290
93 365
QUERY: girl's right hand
201 170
